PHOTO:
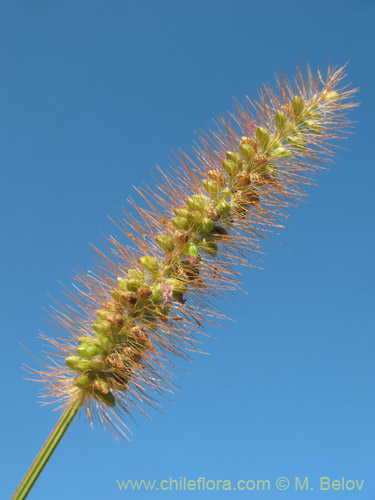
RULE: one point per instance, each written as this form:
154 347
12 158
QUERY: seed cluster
150 298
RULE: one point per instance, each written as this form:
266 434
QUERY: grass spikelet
117 339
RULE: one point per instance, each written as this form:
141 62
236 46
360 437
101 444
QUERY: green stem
46 451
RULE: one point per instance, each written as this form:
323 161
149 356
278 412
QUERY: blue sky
93 95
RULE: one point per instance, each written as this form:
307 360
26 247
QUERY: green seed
231 168
207 225
72 361
156 296
263 137
223 207
247 151
297 142
133 284
83 365
312 126
330 96
208 246
281 153
82 381
135 274
105 344
181 211
122 283
211 187
98 363
234 157
150 263
103 313
270 172
102 327
280 119
180 223
197 202
85 339
87 351
195 217
165 242
297 105
177 285
192 250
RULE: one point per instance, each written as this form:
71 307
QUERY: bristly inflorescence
147 301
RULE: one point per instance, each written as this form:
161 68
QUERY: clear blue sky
93 95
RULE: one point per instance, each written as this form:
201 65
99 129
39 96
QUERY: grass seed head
148 299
